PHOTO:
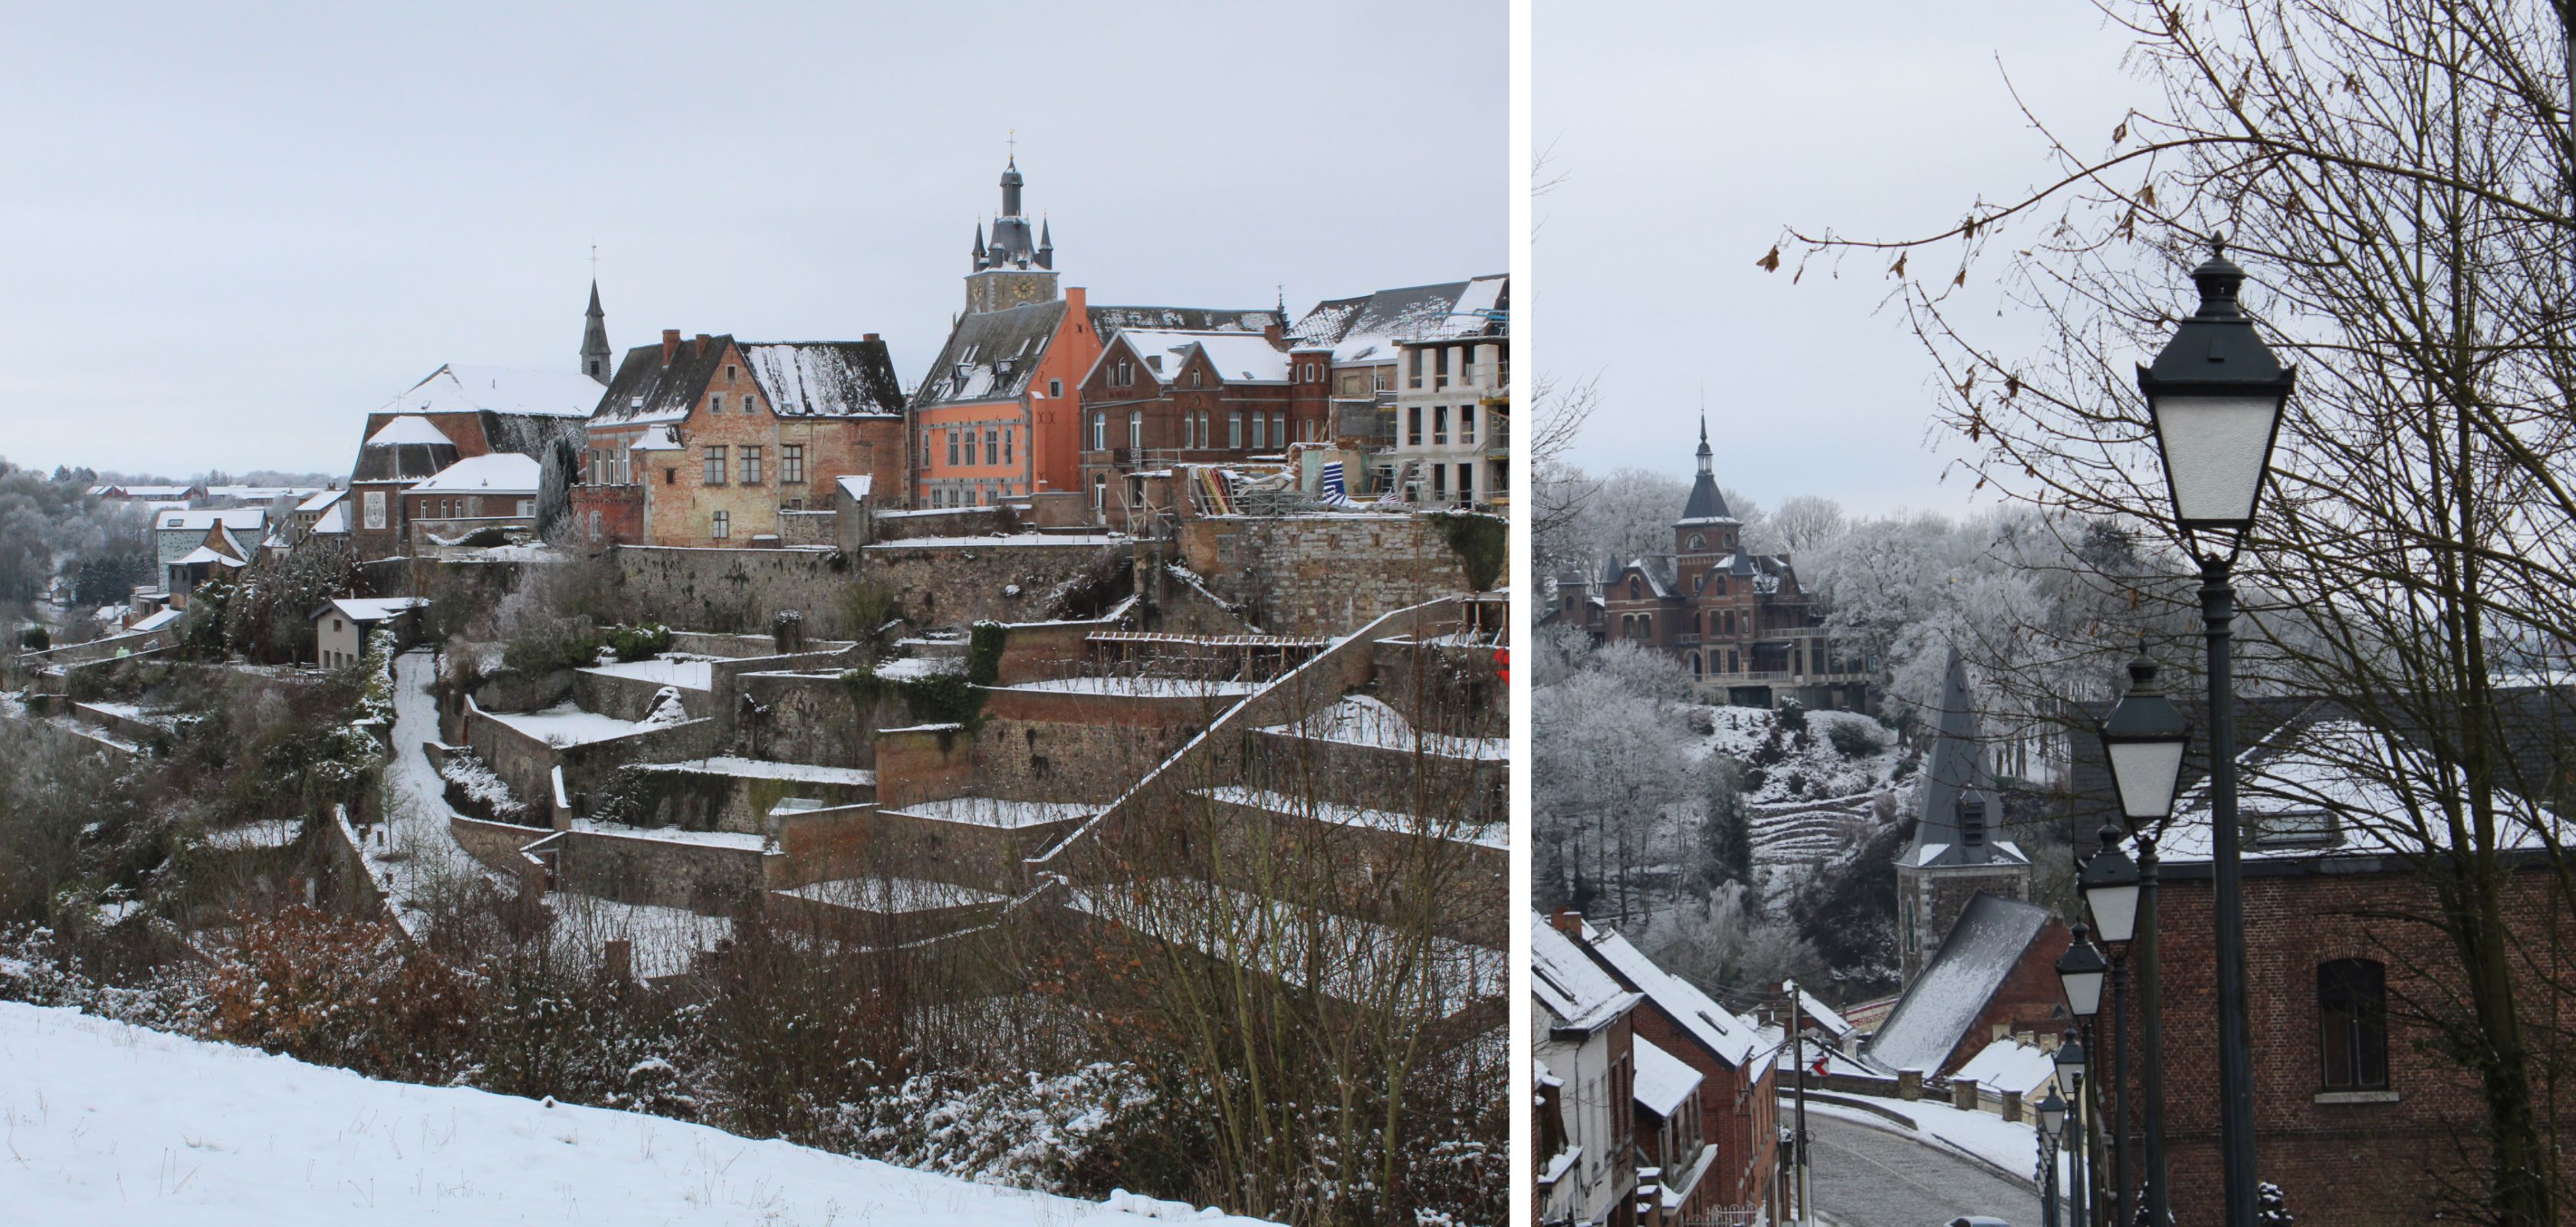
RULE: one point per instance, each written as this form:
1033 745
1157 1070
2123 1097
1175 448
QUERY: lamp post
2070 1074
2111 886
2142 739
2081 971
2052 1118
2215 396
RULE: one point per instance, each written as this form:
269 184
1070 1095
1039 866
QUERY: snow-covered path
112 1124
411 851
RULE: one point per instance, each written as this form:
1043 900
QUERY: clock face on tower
1024 291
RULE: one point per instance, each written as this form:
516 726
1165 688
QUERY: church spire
1705 501
1046 243
595 357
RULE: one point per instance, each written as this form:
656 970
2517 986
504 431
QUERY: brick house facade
1156 398
706 441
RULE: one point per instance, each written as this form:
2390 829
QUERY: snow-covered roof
2330 785
656 439
1726 1034
370 609
1823 1015
1663 1082
408 428
1366 329
495 473
500 389
1572 987
2010 1065
1238 357
206 554
335 520
158 619
824 378
1981 950
244 518
322 500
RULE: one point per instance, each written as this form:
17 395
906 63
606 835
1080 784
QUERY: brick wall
1318 575
925 763
2368 1164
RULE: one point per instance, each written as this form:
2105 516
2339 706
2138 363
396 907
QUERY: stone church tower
1012 270
1955 853
595 359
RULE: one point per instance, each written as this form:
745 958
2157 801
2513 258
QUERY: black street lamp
2070 1074
2143 740
2080 971
2112 887
2052 1120
2215 395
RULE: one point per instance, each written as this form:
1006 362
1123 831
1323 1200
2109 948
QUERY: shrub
984 644
35 639
543 645
634 643
1854 740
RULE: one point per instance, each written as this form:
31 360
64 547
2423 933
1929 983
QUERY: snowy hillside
111 1124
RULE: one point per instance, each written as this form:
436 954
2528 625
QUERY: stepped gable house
710 441
1736 619
1956 854
999 413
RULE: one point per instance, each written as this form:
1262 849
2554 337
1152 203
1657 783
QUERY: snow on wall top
501 389
1939 1006
2011 1065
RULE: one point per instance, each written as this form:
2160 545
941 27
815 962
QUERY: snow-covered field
112 1124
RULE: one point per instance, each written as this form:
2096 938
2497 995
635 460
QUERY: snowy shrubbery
474 789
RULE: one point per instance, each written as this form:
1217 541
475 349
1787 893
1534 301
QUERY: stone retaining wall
658 872
1323 574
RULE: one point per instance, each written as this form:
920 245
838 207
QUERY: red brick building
1739 621
1994 975
1156 398
1725 1156
456 413
2362 1116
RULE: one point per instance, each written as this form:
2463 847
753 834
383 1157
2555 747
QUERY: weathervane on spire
594 261
1013 141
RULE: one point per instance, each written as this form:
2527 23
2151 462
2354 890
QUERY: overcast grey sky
1688 133
235 230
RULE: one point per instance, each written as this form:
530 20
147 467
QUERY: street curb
1911 1133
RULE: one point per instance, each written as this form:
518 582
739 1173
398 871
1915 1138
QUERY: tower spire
595 356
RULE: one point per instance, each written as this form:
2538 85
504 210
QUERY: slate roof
1366 328
1957 766
1943 1001
405 449
1727 1035
804 379
1105 320
990 355
645 389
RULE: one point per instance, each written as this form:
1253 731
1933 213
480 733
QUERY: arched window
1721 585
2352 1024
1698 543
1636 589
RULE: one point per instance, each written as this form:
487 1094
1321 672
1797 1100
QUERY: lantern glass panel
2147 773
2215 448
2115 911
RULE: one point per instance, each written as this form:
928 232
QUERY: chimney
698 348
670 345
1074 299
1568 922
1275 333
870 338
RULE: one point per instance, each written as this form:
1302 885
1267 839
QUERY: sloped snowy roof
1723 1032
1572 987
1663 1082
206 554
322 500
825 378
200 520
158 619
409 428
1366 329
1989 940
335 520
370 609
500 389
496 473
1237 357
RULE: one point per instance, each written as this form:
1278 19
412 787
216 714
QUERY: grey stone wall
1321 575
663 873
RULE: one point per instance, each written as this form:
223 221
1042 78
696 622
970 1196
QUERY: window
715 466
1234 429
594 525
527 508
1636 589
1055 387
721 527
791 463
751 466
1440 423
2352 1024
1100 432
1466 423
1279 430
1413 376
992 446
1439 479
1207 438
1099 491
1413 424
926 447
1136 429
1439 368
670 477
715 402
1257 434
1006 446
952 447
728 372
1195 380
